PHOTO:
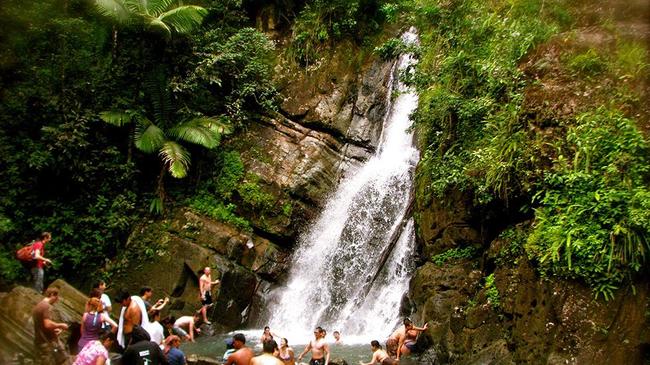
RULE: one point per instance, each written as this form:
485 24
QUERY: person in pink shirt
96 352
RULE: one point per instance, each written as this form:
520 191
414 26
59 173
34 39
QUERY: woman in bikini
379 356
286 353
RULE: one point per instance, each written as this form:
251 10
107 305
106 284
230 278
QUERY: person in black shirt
141 351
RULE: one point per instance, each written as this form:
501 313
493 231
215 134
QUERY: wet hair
239 337
144 290
337 333
375 343
319 329
139 334
94 304
269 346
122 295
51 292
285 340
407 322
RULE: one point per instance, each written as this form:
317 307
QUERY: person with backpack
38 249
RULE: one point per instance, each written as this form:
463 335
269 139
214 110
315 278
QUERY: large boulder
174 251
17 335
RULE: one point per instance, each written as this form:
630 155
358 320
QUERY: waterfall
337 279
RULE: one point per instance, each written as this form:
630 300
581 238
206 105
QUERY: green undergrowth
455 254
585 176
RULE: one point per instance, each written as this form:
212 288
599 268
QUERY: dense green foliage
454 254
166 73
588 191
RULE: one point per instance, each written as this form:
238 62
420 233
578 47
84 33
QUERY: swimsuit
287 358
320 361
208 298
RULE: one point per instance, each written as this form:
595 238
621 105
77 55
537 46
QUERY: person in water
267 335
285 353
337 337
379 356
243 355
267 358
320 350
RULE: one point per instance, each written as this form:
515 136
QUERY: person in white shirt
156 330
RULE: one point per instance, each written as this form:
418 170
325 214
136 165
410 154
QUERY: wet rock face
187 244
536 321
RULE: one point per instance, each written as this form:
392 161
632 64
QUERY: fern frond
115 9
197 131
184 18
148 137
117 117
157 88
176 157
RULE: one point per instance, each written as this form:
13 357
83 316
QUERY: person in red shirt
40 260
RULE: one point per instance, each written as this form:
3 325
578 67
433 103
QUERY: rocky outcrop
525 318
175 251
17 335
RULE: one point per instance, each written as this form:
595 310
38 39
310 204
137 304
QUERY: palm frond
157 25
198 131
221 125
149 7
176 157
157 87
115 9
184 18
148 137
117 117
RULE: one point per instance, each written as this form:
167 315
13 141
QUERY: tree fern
148 136
176 157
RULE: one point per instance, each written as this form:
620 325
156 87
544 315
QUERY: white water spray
337 281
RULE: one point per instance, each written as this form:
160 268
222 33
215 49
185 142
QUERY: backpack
26 254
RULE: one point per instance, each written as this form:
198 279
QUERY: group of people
400 343
138 335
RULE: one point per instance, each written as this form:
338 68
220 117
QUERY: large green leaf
148 7
148 137
176 157
158 25
117 117
201 131
184 18
115 9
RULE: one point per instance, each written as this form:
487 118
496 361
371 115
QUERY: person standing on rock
146 293
205 292
38 272
267 358
100 286
49 348
242 355
320 350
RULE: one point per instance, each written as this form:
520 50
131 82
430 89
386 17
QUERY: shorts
207 298
410 345
179 332
320 361
388 361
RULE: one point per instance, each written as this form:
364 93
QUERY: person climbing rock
205 292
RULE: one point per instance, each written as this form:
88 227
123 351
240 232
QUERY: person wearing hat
242 355
229 349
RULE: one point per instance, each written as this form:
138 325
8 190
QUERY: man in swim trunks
205 292
320 350
397 339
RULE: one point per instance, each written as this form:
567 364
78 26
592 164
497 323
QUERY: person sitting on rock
379 356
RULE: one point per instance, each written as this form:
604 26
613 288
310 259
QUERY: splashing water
337 280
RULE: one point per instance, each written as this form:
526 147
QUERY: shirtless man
242 355
267 358
317 346
129 316
396 340
205 292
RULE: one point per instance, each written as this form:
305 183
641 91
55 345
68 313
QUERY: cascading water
337 280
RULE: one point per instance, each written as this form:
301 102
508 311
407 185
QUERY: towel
144 322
